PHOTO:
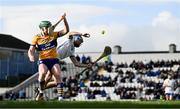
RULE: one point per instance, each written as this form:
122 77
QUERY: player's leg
171 96
167 96
57 74
50 81
42 73
48 77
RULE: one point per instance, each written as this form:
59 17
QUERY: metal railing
31 83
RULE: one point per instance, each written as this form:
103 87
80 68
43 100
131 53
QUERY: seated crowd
121 81
138 80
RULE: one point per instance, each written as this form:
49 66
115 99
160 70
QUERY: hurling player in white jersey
67 49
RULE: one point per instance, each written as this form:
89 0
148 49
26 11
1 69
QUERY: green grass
90 104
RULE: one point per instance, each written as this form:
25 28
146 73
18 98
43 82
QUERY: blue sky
124 21
136 8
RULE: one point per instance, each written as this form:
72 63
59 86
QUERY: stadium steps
25 83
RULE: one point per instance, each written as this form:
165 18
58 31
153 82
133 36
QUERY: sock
41 86
60 89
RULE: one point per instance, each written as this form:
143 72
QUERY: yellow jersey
46 45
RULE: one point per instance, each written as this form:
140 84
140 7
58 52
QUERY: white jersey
66 49
169 85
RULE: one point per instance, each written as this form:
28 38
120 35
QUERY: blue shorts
49 62
168 94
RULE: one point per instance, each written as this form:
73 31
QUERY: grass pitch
90 104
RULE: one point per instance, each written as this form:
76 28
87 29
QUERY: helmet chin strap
42 33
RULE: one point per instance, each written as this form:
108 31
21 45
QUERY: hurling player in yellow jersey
46 43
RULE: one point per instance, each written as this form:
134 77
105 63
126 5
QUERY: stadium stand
122 76
136 81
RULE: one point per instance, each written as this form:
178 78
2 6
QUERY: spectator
22 94
103 93
88 60
83 59
168 86
78 58
81 84
12 96
90 95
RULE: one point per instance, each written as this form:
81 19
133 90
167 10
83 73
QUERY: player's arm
164 85
78 64
31 52
66 26
71 34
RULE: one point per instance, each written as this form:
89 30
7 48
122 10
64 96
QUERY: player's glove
86 35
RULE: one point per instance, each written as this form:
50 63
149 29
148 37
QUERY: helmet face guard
78 40
45 27
46 24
